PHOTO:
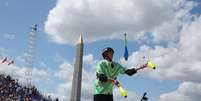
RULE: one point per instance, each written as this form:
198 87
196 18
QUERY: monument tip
80 40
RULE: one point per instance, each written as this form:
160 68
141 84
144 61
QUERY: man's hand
102 77
132 71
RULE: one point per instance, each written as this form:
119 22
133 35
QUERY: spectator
11 90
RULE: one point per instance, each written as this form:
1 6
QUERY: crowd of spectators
12 90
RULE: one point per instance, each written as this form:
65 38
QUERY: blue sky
156 29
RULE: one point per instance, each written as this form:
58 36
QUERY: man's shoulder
102 61
107 62
116 63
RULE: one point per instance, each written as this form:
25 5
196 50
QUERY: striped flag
126 49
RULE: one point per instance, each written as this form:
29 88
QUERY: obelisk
77 74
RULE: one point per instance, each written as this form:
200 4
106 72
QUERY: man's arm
102 77
100 74
132 71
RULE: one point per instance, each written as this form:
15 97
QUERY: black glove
102 77
130 72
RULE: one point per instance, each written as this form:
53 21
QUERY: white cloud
65 71
89 59
187 91
19 73
64 89
169 31
176 62
101 19
67 68
9 36
190 42
4 52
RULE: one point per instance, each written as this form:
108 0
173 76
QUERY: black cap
107 49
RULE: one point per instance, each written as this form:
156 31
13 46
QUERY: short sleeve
99 68
122 69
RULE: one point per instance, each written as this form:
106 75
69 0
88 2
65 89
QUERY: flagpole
126 49
125 39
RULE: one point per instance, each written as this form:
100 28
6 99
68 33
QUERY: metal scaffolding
29 55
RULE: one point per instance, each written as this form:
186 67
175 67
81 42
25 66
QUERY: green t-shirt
104 67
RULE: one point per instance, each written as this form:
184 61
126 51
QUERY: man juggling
106 75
